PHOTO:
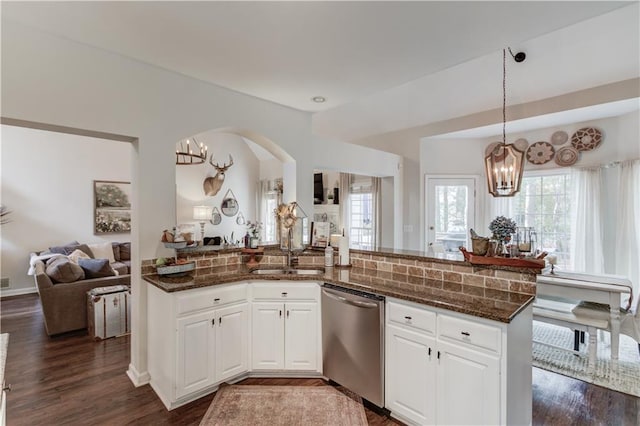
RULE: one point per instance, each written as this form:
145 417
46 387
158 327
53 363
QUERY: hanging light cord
504 97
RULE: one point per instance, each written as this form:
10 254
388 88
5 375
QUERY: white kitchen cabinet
198 338
285 327
447 368
410 374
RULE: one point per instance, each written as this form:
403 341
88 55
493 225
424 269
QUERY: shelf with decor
518 262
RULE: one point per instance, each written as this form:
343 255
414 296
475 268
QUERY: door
468 387
450 212
411 377
232 344
195 357
267 336
301 336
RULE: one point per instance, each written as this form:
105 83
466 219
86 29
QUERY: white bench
562 314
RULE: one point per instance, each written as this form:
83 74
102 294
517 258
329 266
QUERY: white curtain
627 252
586 228
344 191
263 190
376 191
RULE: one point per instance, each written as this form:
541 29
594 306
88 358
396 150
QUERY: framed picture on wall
111 207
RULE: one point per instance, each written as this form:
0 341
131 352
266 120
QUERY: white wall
241 178
47 183
270 169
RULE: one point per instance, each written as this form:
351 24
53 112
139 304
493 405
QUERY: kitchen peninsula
454 332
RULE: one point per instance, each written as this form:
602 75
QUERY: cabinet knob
465 333
408 318
7 388
280 313
213 322
284 294
217 299
287 313
429 352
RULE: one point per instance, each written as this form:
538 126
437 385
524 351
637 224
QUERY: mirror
229 206
240 219
216 218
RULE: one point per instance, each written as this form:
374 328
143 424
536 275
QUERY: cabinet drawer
413 317
296 291
196 300
469 332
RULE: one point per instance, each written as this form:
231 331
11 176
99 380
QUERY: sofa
63 295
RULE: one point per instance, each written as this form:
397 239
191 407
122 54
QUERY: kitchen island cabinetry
285 327
446 368
208 330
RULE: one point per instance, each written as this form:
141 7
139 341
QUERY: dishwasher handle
357 303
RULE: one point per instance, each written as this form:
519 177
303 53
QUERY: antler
222 168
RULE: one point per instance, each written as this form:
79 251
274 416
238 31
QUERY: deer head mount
212 184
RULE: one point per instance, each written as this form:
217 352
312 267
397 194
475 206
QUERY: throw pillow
70 248
102 251
77 254
116 251
125 251
62 270
96 268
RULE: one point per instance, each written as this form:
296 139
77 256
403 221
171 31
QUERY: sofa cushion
77 254
125 251
120 268
116 251
63 270
70 248
96 268
102 251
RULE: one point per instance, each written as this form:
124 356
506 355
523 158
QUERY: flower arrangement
254 228
502 228
287 214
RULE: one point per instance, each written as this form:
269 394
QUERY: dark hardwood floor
72 379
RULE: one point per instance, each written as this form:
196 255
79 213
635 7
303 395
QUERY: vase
253 242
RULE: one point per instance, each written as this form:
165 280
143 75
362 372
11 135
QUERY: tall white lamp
202 214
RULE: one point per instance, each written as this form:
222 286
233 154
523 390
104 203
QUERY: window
361 226
270 228
544 202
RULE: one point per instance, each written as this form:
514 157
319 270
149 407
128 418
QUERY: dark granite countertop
497 305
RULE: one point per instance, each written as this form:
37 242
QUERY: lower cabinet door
195 367
301 336
232 341
267 336
410 376
468 386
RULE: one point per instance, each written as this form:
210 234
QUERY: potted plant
254 229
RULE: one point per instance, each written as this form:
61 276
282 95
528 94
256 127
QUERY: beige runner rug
252 405
625 377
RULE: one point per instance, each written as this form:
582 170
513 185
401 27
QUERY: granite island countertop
494 304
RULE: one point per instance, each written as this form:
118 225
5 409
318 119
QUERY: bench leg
593 346
576 340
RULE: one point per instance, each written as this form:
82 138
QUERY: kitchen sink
287 271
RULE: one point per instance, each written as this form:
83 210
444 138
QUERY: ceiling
289 52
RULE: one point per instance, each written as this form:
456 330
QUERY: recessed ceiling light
319 99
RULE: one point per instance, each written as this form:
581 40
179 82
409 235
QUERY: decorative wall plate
521 144
586 139
216 217
489 149
567 156
540 152
559 137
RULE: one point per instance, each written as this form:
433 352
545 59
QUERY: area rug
625 379
252 405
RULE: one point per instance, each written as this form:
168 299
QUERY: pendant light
505 163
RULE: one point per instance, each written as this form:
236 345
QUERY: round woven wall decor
521 144
586 139
567 156
559 137
540 152
491 147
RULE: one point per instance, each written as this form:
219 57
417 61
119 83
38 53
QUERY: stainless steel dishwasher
353 341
